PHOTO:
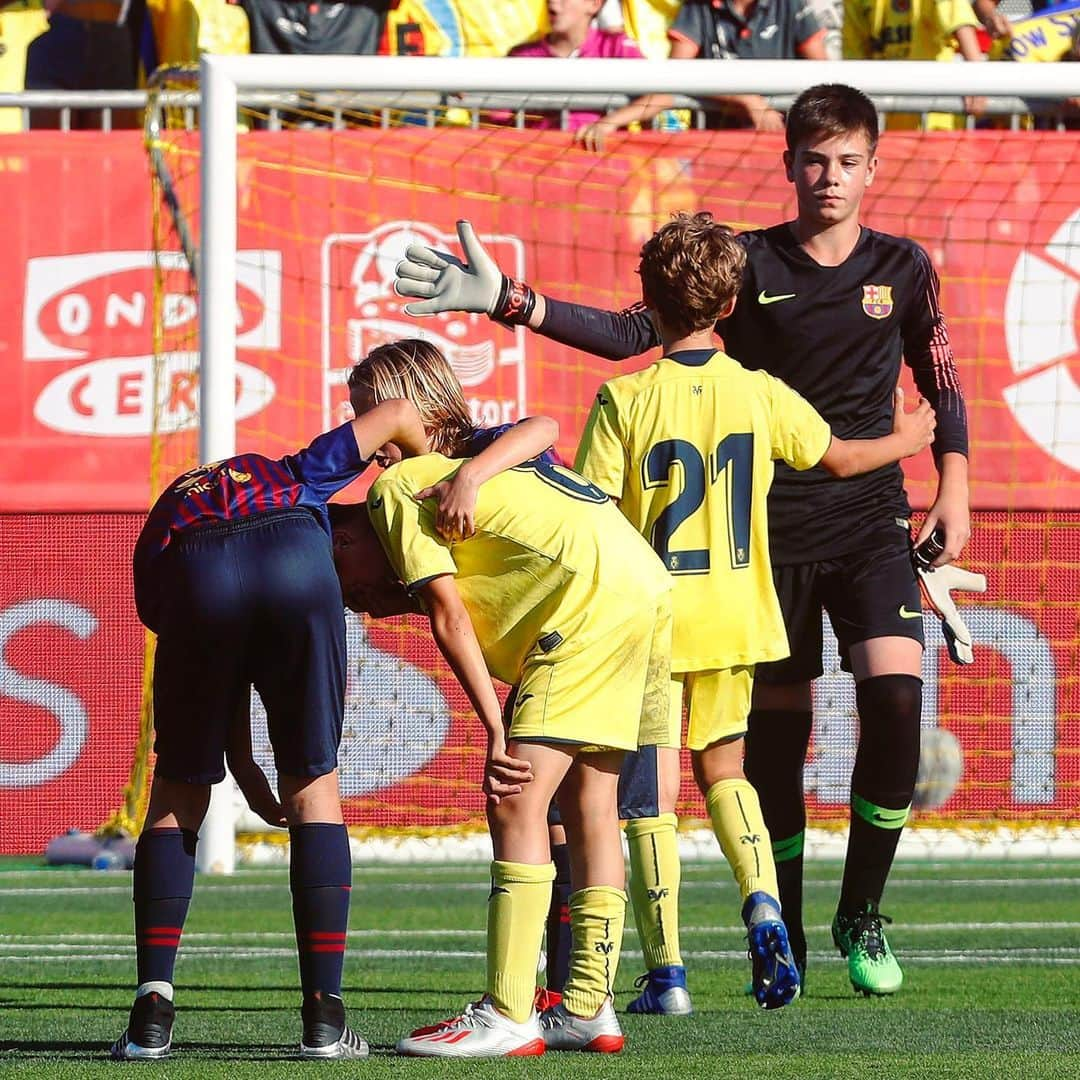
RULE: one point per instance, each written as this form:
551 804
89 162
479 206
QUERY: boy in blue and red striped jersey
234 573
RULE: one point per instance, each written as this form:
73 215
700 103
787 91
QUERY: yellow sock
517 908
597 915
736 818
655 874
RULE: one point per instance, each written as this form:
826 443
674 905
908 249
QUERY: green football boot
872 967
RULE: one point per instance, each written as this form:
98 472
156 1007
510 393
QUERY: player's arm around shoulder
452 629
396 421
455 496
912 431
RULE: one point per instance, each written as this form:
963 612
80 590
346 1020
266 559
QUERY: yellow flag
1044 36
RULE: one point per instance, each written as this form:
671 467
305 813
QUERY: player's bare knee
721 760
310 799
176 804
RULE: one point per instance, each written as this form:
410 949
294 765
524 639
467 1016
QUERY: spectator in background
89 45
914 30
610 17
573 34
747 30
994 21
349 28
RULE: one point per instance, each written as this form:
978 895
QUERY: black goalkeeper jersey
836 334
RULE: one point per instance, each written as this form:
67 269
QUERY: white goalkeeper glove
444 283
937 585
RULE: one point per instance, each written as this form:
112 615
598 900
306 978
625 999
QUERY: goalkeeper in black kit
829 306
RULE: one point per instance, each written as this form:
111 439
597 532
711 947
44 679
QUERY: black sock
882 784
164 872
559 938
320 877
776 744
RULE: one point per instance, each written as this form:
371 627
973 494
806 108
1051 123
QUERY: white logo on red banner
1040 331
361 310
78 305
115 397
67 709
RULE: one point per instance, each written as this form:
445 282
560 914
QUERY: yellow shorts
613 693
717 704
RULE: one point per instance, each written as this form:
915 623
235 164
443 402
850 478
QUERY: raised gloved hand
442 282
937 585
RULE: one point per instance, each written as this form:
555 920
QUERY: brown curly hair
691 268
416 370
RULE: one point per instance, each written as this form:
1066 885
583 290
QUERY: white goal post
224 79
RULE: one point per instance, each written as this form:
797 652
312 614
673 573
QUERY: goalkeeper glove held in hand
937 585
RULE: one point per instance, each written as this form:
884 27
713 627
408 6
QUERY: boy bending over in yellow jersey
687 447
557 593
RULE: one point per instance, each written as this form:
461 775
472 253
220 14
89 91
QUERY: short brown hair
416 370
831 109
691 268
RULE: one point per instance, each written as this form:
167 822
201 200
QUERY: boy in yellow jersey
687 448
557 593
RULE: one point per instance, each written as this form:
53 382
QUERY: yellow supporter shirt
904 29
687 447
552 568
907 30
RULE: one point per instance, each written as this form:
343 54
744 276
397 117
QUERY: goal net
330 188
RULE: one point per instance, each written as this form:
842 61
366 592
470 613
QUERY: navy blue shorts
250 602
639 788
868 594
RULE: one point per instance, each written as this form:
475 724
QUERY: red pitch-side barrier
323 218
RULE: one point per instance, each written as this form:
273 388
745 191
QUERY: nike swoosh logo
764 298
905 614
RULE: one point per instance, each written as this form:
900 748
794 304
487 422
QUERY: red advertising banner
324 217
71 662
71 666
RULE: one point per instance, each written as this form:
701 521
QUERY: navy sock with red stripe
320 876
164 873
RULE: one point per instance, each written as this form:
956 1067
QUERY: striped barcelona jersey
244 485
687 447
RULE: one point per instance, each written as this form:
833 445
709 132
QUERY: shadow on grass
354 986
98 1051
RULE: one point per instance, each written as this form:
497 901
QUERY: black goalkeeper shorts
868 594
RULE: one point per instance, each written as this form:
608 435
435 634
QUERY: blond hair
417 371
691 268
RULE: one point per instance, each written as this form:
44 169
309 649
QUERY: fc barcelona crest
877 301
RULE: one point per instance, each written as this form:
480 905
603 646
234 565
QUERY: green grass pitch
991 955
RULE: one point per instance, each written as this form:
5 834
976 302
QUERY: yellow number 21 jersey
687 447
